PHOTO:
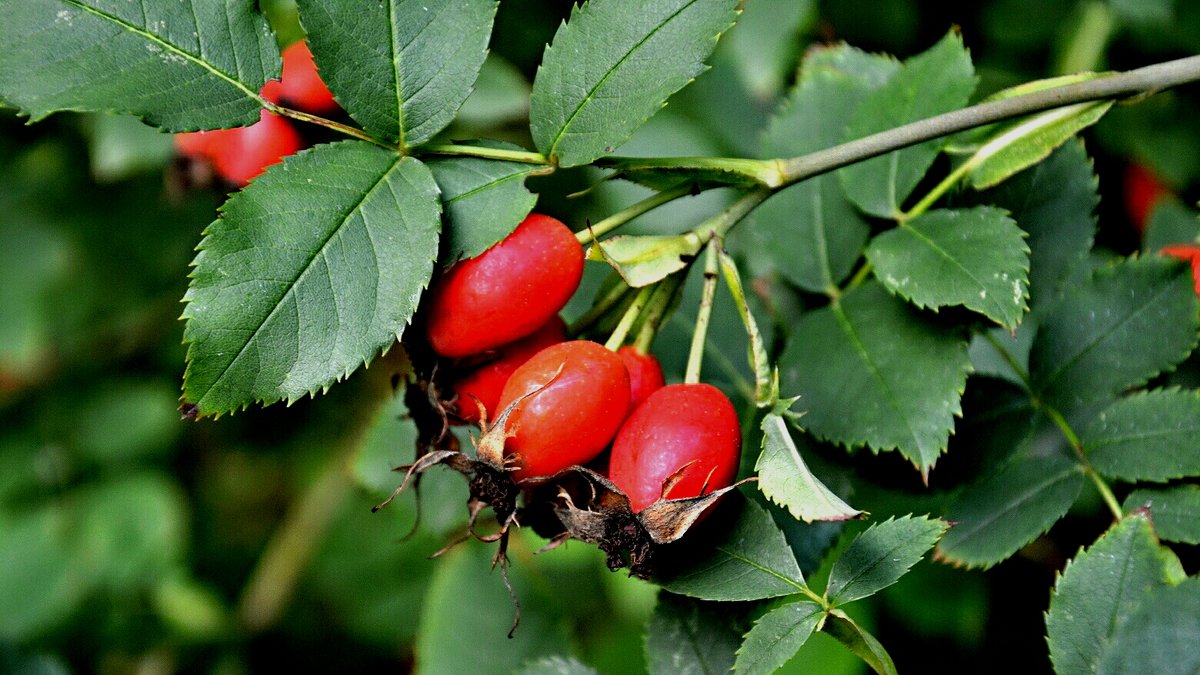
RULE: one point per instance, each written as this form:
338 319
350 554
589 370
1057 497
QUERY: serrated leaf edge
551 152
323 388
943 526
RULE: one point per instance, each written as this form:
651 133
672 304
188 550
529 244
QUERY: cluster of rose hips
238 155
549 407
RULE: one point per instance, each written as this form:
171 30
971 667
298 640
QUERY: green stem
328 124
587 236
699 336
1146 80
628 319
602 306
656 311
1063 425
860 276
521 156
1106 493
938 190
719 225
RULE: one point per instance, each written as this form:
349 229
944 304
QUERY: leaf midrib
490 184
1024 497
856 343
553 149
167 45
936 248
303 270
1070 363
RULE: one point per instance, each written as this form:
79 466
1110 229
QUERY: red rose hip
301 85
485 383
570 420
677 424
239 154
506 292
645 374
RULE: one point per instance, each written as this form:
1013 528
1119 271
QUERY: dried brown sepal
666 520
592 509
414 470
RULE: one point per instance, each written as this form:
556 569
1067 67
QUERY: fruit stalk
696 353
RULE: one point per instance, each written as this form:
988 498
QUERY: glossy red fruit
645 374
241 153
506 292
570 420
301 85
485 383
677 424
1142 192
1189 253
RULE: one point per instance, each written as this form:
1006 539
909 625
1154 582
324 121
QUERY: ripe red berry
241 153
645 374
506 292
677 424
301 85
485 383
570 420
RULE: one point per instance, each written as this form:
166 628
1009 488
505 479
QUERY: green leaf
613 65
863 644
998 515
1022 144
1126 324
465 598
1152 436
811 232
998 423
1171 223
786 480
281 307
483 201
738 555
936 81
869 370
643 259
976 258
555 665
1174 510
777 636
878 557
1162 637
1099 590
181 66
1054 202
400 68
691 636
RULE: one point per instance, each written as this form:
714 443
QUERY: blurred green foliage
132 541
